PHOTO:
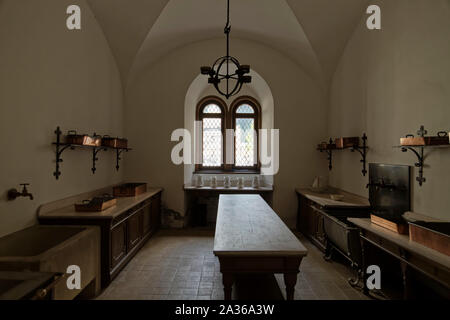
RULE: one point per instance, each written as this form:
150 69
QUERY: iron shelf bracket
118 158
60 148
95 152
361 149
419 154
363 152
420 164
329 155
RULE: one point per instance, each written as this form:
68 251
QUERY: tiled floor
180 264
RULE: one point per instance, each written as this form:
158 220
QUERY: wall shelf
361 149
419 151
60 147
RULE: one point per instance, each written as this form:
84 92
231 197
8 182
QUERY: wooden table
434 265
251 238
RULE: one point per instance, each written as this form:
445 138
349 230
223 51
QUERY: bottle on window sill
226 182
255 183
240 183
199 181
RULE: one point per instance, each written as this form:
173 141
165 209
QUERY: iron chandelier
235 75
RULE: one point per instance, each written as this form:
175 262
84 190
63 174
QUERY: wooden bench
251 238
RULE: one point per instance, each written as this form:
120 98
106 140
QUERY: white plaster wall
388 83
51 76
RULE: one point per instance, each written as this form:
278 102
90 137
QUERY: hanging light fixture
227 74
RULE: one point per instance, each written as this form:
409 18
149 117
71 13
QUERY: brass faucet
13 193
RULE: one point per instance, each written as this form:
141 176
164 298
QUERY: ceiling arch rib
313 33
265 21
126 24
328 25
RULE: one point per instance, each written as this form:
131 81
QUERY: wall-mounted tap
13 193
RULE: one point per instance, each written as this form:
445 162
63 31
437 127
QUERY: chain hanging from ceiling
227 74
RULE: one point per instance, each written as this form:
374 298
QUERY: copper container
347 142
395 226
326 146
83 139
129 189
111 142
441 139
96 204
434 235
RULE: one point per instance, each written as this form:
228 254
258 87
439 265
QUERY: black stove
389 190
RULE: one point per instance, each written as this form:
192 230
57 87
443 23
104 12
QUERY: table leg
290 279
228 280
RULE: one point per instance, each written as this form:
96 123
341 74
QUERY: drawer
118 244
134 228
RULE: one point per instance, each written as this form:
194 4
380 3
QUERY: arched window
212 145
246 121
211 112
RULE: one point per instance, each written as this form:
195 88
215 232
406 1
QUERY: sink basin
36 240
54 249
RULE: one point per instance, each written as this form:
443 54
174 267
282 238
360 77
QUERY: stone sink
54 249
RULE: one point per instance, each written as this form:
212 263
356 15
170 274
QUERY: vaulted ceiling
313 33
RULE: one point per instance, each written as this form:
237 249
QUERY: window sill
233 171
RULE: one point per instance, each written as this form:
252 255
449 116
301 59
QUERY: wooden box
95 207
326 146
441 139
83 139
129 189
397 227
347 142
120 143
434 235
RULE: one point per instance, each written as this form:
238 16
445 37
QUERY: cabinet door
303 215
147 217
156 212
134 229
118 244
317 228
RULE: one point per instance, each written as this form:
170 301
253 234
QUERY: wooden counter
65 209
324 199
251 238
125 227
434 265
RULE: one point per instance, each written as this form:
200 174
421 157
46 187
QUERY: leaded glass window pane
212 142
245 108
212 108
245 146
